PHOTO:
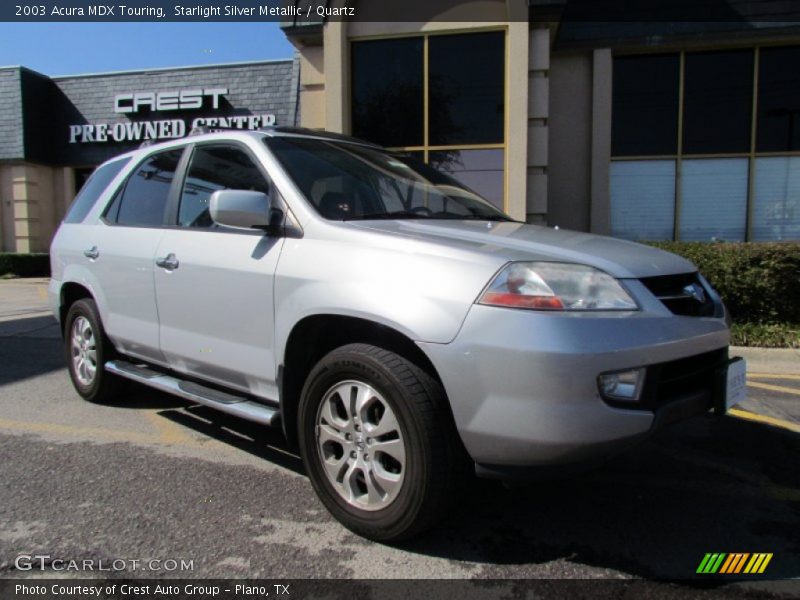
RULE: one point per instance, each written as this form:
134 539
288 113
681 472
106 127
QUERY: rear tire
378 442
87 348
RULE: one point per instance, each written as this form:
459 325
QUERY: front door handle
92 252
169 262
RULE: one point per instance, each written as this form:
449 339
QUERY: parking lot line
774 388
89 433
169 432
775 422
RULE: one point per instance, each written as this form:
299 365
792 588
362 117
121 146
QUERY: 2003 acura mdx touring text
401 330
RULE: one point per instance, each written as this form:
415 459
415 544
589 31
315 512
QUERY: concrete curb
785 361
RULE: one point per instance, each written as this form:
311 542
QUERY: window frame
426 147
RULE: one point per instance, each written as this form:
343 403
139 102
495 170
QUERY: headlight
556 286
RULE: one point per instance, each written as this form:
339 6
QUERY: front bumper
523 384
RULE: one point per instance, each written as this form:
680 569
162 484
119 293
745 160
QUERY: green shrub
24 265
759 282
766 335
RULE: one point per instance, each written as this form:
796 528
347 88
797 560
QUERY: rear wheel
87 349
378 444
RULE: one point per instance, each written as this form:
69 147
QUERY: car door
214 285
121 249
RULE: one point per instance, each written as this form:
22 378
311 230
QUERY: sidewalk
23 298
769 360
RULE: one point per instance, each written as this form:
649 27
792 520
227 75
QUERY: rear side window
215 168
143 201
92 190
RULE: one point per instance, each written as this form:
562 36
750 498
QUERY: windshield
350 182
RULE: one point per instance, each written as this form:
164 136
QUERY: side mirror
243 209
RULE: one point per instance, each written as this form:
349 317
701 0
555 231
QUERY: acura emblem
693 290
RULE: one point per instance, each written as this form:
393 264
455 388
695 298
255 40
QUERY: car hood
518 241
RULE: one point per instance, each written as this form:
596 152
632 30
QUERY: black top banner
311 13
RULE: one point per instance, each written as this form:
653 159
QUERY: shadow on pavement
708 485
29 347
260 441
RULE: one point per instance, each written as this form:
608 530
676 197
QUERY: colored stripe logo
734 563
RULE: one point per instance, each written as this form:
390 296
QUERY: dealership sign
131 103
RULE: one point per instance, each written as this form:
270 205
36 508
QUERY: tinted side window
216 168
92 190
144 199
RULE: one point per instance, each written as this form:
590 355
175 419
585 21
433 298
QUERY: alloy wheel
361 445
83 348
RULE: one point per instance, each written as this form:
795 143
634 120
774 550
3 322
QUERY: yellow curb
749 416
774 388
774 376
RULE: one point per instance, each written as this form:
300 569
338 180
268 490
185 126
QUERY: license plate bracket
731 384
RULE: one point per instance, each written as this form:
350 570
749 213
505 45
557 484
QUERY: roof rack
203 129
300 131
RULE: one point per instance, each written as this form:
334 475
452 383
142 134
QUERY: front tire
378 443
87 349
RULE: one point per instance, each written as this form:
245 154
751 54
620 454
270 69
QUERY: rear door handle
169 262
92 252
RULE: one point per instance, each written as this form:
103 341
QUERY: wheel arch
70 293
315 336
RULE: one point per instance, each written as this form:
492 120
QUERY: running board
194 392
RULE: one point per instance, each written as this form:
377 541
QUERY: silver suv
403 331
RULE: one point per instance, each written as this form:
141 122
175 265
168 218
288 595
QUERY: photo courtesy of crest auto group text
343 297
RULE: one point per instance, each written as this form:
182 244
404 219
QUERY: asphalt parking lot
156 478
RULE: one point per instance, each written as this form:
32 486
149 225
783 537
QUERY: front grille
682 294
680 378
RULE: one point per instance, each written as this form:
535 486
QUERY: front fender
424 296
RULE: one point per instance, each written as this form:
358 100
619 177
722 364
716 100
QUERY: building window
779 100
717 102
643 195
645 98
439 97
388 98
697 138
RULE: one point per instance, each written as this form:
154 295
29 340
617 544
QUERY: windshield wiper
410 214
486 218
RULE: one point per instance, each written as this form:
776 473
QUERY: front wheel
87 349
378 444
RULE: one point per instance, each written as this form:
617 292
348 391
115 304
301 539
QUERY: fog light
622 385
